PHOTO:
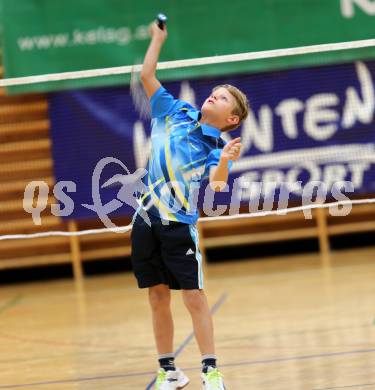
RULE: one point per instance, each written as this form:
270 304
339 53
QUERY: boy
186 147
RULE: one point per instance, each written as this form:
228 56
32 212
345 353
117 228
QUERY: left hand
232 150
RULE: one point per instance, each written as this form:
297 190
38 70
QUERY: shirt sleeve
213 159
162 103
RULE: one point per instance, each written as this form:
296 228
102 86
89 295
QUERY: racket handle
161 20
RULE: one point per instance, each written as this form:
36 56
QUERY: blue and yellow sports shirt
182 153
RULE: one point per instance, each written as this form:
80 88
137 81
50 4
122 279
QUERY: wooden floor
283 324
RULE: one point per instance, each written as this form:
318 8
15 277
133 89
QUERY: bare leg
160 301
196 303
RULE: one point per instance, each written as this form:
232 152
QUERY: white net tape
190 62
126 229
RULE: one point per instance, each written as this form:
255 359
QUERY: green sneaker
171 380
213 380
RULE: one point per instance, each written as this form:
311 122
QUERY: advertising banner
52 36
307 126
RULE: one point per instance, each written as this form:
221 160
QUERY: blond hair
242 106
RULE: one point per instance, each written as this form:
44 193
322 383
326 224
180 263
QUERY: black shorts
166 254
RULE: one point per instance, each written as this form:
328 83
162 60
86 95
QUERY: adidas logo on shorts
189 252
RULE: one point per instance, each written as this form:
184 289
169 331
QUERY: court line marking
238 364
213 310
74 380
11 303
184 344
348 387
67 344
303 357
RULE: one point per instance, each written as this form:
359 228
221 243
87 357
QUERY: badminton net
308 143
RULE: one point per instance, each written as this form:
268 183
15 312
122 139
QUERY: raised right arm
148 74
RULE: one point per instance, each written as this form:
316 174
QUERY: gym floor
285 323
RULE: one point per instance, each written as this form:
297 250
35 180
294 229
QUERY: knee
159 297
194 300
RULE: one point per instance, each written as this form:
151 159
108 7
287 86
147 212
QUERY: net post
324 245
75 251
